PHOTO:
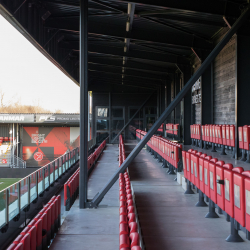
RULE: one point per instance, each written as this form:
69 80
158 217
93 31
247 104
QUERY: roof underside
139 44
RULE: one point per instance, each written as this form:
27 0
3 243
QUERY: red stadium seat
124 241
221 183
133 227
12 246
135 239
123 228
247 200
136 248
239 197
26 241
19 246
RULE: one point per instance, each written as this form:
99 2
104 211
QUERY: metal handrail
18 162
19 195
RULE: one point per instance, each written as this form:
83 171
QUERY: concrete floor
97 229
169 218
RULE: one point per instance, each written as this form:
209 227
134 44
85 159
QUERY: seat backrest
26 241
19 246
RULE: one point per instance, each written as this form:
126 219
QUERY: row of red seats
42 229
223 185
222 135
172 128
71 187
71 190
129 236
122 156
165 150
218 134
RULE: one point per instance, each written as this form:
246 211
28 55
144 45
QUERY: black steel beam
159 74
118 70
131 119
215 7
83 188
112 30
187 19
177 27
118 77
134 54
101 81
155 81
131 64
98 198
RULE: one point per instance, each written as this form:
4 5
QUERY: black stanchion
201 202
234 235
189 189
211 213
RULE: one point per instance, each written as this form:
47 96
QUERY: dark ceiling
140 43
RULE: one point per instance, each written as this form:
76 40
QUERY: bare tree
1 97
17 107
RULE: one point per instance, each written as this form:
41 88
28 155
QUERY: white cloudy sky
27 75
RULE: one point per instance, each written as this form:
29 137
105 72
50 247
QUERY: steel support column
83 190
110 122
132 117
99 196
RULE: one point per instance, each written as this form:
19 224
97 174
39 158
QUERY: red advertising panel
42 145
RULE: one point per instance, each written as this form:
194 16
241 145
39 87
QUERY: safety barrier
71 187
37 235
224 187
165 150
222 136
19 196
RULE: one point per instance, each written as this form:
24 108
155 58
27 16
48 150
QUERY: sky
28 76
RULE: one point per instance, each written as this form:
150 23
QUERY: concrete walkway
98 229
169 218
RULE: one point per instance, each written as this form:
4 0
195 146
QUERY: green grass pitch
6 182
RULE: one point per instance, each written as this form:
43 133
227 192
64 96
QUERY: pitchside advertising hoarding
42 145
64 118
16 118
